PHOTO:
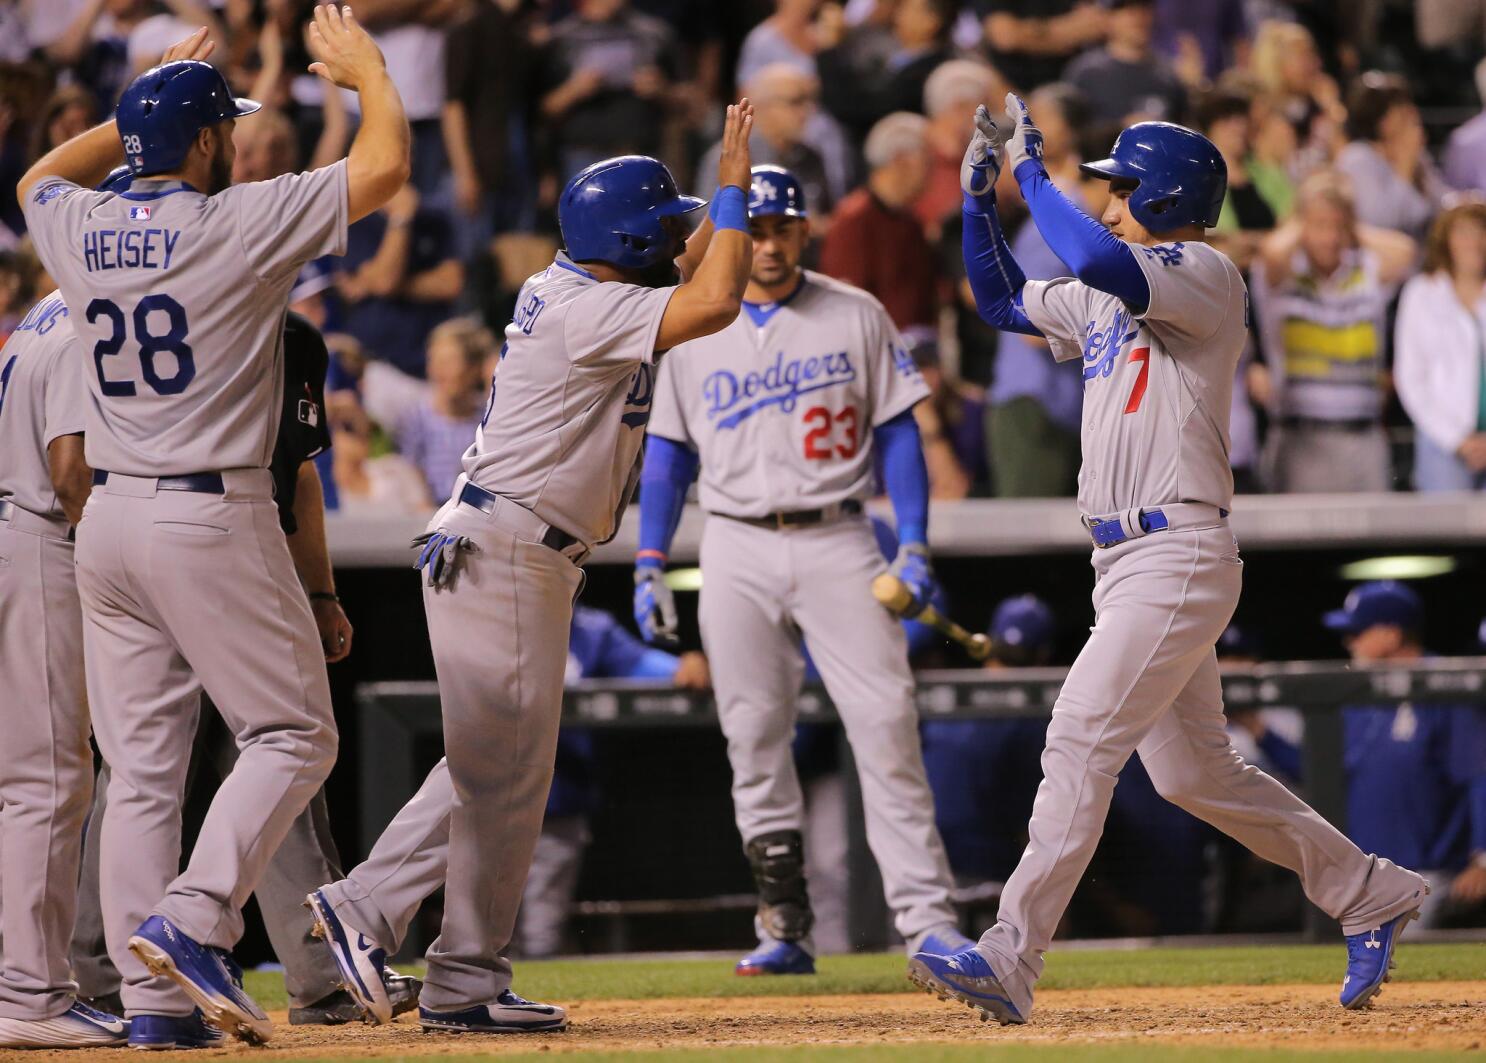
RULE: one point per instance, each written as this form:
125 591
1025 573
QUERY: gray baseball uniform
555 457
46 765
1157 390
781 406
183 570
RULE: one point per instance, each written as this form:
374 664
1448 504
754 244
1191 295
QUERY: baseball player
785 412
1159 319
46 764
549 475
180 287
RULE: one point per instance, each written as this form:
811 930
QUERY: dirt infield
1437 1015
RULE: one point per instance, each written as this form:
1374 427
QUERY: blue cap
1024 622
1382 602
776 191
1238 641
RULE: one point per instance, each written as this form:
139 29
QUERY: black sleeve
303 432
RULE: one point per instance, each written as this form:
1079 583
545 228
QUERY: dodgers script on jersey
41 398
184 375
1157 386
566 419
781 404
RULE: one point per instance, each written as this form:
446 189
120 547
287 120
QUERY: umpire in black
307 858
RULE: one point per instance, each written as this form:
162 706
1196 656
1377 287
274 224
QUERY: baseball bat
895 596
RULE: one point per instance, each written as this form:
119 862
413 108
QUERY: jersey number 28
173 341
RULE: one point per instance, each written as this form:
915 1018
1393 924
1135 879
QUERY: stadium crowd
1355 144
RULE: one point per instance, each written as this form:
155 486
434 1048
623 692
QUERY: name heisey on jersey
732 399
129 248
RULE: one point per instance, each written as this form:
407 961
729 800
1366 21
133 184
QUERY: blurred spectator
951 95
1394 181
108 41
608 70
861 95
952 427
1224 117
1037 403
784 100
1450 23
790 35
1126 75
1321 287
489 68
401 276
1202 38
1290 73
1465 154
1440 353
265 148
1030 40
370 481
71 110
435 434
1271 164
875 242
18 276
1416 774
974 765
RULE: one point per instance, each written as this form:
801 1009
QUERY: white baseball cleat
78 1027
362 962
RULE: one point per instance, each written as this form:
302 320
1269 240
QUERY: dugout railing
394 716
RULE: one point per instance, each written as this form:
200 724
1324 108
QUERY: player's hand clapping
984 157
197 46
1026 140
735 165
345 54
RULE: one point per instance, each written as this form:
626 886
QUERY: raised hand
735 164
1026 140
197 46
984 157
345 54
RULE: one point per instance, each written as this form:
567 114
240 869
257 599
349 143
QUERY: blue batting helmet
612 212
164 108
776 191
1024 622
1181 177
117 181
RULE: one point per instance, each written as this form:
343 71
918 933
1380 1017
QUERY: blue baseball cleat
1369 959
362 962
945 941
509 1014
776 957
967 977
160 1033
205 974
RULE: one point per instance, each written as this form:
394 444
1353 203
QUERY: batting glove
984 157
655 606
912 567
1025 144
439 555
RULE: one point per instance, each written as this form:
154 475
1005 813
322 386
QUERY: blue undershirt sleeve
669 470
904 475
994 275
1096 256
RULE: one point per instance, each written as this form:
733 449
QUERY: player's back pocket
191 529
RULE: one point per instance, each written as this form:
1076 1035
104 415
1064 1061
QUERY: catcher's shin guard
778 862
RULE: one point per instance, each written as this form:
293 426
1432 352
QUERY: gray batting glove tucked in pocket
440 553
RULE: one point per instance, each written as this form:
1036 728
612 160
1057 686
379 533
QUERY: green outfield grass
639 979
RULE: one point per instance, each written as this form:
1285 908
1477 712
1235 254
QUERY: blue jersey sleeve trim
668 472
905 476
1096 256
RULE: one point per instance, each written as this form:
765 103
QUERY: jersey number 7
1137 393
150 344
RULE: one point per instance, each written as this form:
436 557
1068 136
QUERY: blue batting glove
440 555
655 606
1025 145
917 574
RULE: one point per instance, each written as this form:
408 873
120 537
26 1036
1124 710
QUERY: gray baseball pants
46 764
184 590
763 589
1147 680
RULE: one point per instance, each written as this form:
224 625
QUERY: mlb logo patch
139 213
309 413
